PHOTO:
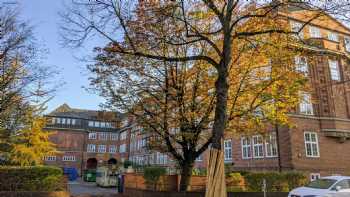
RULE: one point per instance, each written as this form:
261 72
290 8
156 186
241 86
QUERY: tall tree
212 29
23 82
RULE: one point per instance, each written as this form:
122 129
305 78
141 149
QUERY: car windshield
321 183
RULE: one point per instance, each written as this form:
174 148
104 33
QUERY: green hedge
36 178
275 181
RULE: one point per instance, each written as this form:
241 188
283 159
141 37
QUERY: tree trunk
186 174
216 184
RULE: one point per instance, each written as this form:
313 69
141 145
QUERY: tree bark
186 175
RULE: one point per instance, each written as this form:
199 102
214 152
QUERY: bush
199 172
38 178
235 182
152 175
275 181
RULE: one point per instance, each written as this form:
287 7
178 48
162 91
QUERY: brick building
318 143
84 138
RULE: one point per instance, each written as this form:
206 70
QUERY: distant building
84 138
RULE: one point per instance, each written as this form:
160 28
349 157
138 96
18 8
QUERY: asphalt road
81 189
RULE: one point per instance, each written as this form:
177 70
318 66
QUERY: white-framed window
258 146
122 148
139 144
246 147
305 105
91 123
315 32
63 120
296 27
301 64
103 135
92 136
334 70
228 150
271 145
97 124
74 121
50 158
161 158
101 148
347 43
68 158
315 176
333 36
112 149
103 124
311 144
114 136
200 158
123 135
91 148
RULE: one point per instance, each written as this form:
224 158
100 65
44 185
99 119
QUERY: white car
330 186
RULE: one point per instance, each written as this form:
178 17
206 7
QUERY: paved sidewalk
80 188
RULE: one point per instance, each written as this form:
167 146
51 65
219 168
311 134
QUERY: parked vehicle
106 177
330 186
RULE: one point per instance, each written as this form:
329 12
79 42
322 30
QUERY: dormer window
347 43
333 36
296 27
315 32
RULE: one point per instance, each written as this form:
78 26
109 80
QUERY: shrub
275 181
38 178
295 179
127 163
235 182
152 175
199 172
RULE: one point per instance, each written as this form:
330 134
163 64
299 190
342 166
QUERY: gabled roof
317 18
66 111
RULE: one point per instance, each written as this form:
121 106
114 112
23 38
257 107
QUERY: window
91 148
114 136
314 176
311 144
347 43
63 120
246 148
343 184
103 135
297 28
97 124
112 149
103 124
68 121
122 148
123 135
139 144
101 148
199 158
333 36
315 32
161 158
50 158
92 136
73 121
271 145
68 158
301 65
305 104
91 123
228 150
258 146
334 70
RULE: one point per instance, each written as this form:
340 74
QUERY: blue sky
43 15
